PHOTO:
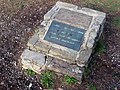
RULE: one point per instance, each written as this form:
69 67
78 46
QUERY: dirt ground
19 18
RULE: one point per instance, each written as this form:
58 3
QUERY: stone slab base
37 62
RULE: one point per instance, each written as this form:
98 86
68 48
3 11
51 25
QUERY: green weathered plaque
65 35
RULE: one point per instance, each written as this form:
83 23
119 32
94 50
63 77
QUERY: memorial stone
65 40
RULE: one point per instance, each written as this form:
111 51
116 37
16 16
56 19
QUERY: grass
92 86
47 79
116 21
70 80
19 3
110 5
100 47
30 72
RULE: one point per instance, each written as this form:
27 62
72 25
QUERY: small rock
90 43
30 85
77 70
93 34
60 89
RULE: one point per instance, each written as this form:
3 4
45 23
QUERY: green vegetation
47 79
116 21
87 72
100 47
110 5
21 4
92 86
69 80
30 72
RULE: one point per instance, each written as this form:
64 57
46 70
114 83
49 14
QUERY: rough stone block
66 68
74 18
66 5
49 15
64 54
33 60
33 40
94 12
41 46
83 57
41 32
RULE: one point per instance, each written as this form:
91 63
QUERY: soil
18 20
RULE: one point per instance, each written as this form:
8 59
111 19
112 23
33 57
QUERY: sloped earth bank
19 18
